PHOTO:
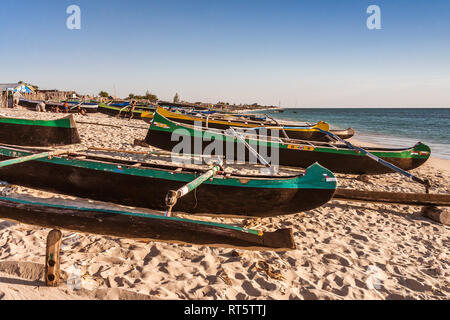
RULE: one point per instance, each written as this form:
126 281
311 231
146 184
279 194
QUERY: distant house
16 87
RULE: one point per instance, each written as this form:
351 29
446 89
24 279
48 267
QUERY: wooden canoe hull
150 192
216 124
28 133
52 106
143 228
114 111
336 162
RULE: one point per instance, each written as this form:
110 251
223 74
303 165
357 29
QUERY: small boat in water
38 133
141 226
146 185
339 158
223 122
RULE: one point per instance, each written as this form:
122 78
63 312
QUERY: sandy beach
344 250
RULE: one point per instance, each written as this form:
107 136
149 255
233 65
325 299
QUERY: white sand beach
344 250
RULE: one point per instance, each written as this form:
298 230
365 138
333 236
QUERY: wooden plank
413 199
52 258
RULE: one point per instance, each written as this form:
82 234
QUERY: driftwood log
52 258
437 214
413 199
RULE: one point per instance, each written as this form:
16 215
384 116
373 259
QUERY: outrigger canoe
146 185
122 110
38 133
142 226
303 132
339 158
51 106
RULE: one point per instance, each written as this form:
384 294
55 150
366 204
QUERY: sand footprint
250 289
265 285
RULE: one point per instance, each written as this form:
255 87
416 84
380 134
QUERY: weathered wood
436 214
52 258
413 199
99 124
143 226
118 150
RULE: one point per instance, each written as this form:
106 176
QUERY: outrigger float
142 226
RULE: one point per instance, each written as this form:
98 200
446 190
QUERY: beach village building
8 90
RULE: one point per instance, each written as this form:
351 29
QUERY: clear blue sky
303 53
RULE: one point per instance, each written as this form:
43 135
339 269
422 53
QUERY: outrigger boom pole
173 196
425 182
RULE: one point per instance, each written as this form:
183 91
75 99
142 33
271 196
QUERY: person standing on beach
40 107
133 106
16 99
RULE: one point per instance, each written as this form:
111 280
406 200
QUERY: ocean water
390 127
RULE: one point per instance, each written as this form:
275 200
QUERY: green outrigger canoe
339 158
146 185
38 133
122 110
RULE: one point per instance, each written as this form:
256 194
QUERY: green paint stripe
124 109
208 135
60 123
314 179
132 214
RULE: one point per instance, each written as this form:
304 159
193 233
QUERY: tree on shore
151 97
103 94
176 99
148 96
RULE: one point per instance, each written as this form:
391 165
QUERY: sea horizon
389 127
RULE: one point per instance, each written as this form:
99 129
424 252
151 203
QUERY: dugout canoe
339 158
123 110
146 185
301 132
54 106
141 226
38 133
